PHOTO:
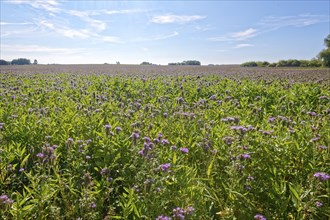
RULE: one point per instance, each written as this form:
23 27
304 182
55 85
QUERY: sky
160 32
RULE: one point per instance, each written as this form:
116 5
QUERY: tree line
19 61
322 59
187 62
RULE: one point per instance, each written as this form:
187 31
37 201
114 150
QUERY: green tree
327 41
21 61
35 62
3 62
324 55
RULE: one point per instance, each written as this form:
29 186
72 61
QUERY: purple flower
244 156
322 147
165 167
165 142
118 129
105 171
259 217
190 210
179 213
21 170
40 155
318 204
312 113
271 119
251 178
184 150
93 205
4 199
163 217
173 147
135 135
141 152
70 141
322 176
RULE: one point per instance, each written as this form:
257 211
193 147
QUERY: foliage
284 63
145 63
35 62
21 61
3 62
193 145
325 57
187 62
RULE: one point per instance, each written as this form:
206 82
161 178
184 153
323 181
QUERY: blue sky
217 32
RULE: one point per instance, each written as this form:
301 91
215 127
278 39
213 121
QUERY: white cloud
124 11
295 21
85 16
66 31
242 35
237 36
15 23
38 49
156 37
48 5
180 19
270 23
243 45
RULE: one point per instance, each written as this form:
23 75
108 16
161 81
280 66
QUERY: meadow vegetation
155 142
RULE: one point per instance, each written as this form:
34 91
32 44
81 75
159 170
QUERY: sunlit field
164 142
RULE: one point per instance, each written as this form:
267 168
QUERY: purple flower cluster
5 200
239 129
47 153
147 147
164 167
244 156
107 128
184 150
163 217
318 204
180 213
259 217
230 119
228 140
322 176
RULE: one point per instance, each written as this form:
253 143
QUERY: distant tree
35 62
324 55
249 64
21 61
315 63
3 62
327 41
187 62
117 62
146 63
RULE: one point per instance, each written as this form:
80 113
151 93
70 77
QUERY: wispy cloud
39 49
271 23
66 31
156 37
295 21
243 45
180 19
236 36
86 16
16 23
78 33
242 35
48 5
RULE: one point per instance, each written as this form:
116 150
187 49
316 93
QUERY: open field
161 142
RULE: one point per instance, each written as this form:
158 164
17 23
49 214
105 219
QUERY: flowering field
156 142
